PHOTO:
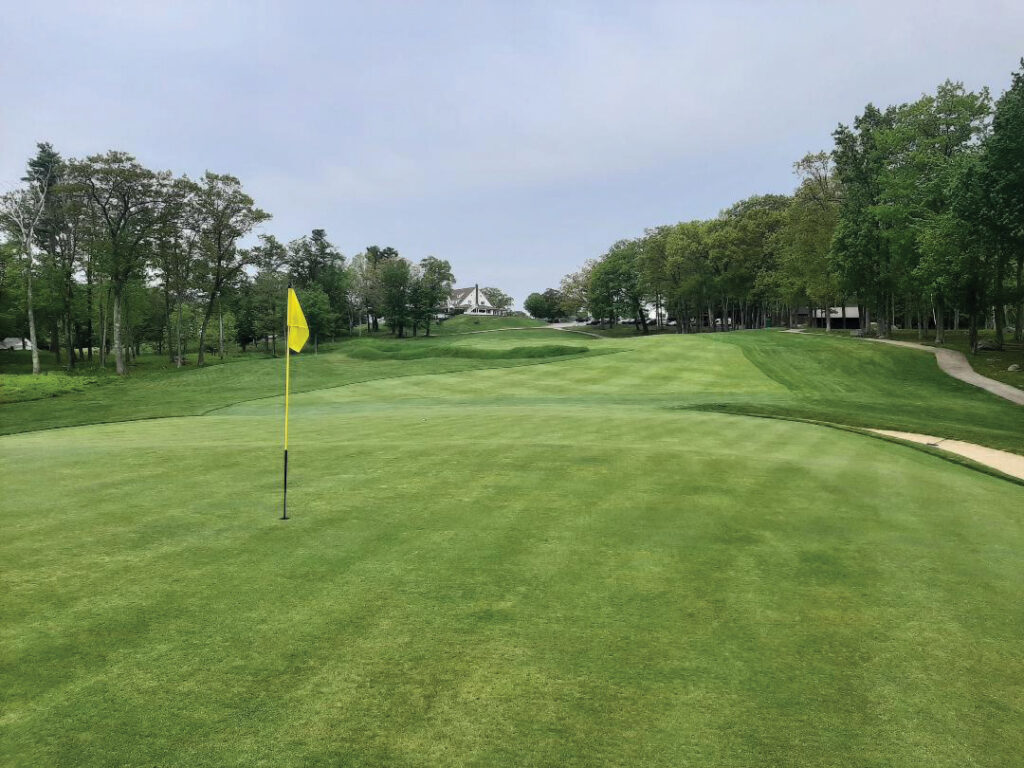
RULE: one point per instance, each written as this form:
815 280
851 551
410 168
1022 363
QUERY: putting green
558 563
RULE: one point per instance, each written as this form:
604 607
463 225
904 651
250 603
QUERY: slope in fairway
552 564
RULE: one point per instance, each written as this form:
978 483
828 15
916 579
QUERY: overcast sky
514 139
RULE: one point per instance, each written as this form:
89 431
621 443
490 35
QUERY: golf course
518 547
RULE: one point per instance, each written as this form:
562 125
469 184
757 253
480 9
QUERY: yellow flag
298 331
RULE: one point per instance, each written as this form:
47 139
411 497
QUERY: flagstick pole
287 388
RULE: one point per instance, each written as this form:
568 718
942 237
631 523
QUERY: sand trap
1006 462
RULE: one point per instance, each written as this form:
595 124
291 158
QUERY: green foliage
16 388
500 300
545 306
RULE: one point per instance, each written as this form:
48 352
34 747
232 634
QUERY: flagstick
287 387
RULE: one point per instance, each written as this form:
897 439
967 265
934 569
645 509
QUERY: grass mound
471 323
372 351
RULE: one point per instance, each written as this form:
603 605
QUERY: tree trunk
1018 321
103 331
180 353
55 342
883 320
938 312
69 342
201 357
68 321
31 319
118 348
88 308
999 313
972 334
220 317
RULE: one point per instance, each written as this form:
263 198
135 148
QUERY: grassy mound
379 351
472 323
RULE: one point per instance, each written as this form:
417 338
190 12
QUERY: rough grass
19 387
546 564
419 352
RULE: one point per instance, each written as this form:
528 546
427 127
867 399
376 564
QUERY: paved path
574 328
956 365
1006 462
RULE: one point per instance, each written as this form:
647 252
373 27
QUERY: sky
514 139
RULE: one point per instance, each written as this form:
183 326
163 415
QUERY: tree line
103 255
915 215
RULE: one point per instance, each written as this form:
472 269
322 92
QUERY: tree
804 237
546 305
225 213
922 147
860 251
317 309
126 200
315 262
65 227
21 212
433 288
616 284
175 259
370 281
1004 149
396 282
500 300
573 288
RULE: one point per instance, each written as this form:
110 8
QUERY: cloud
528 134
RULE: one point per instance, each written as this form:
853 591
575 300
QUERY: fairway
516 548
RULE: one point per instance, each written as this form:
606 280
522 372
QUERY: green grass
19 387
553 562
421 351
620 331
988 362
477 323
166 391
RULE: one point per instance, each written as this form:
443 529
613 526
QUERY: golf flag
298 331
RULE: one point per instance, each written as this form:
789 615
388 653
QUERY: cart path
1008 463
956 365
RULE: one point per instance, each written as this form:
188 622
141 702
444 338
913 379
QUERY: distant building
469 301
837 315
12 342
